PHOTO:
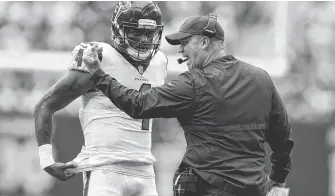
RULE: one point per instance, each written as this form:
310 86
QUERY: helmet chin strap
137 55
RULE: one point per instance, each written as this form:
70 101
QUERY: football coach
227 108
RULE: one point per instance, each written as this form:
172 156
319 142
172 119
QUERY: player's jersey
111 136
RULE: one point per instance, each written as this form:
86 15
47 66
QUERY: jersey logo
122 7
140 69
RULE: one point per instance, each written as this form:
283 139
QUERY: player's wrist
45 154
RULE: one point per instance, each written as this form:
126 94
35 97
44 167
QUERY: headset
209 30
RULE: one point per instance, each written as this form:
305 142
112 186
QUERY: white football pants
109 183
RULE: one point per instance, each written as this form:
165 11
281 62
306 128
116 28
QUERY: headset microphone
180 61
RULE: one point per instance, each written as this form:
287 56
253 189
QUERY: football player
116 159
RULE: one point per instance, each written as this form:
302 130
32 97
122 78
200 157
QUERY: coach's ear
205 41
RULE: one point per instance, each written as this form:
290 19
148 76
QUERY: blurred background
293 41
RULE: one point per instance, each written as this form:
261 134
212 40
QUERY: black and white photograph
167 98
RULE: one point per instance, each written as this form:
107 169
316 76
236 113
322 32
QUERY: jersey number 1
145 122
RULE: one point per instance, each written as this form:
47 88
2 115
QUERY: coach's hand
91 57
58 170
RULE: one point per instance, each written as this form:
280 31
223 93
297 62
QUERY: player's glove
91 58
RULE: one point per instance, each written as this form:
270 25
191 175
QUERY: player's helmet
143 15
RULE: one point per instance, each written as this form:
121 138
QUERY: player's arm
280 139
170 100
67 89
59 95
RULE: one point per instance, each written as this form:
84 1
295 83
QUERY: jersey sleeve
77 62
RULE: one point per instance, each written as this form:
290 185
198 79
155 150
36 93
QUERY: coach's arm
167 101
280 139
170 100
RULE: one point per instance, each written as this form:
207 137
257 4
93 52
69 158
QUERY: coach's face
192 48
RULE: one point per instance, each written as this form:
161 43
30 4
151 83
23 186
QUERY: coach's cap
197 25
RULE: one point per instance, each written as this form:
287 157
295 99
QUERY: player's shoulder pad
160 61
108 51
160 58
77 55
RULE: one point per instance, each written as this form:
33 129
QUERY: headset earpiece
209 30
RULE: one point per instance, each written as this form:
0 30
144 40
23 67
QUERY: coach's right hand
58 170
91 57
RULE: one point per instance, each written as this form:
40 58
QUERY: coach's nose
181 48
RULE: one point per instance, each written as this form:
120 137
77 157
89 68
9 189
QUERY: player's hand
58 170
91 58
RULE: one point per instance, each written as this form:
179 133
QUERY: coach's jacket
227 110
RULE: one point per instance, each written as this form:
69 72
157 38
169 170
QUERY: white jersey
111 136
